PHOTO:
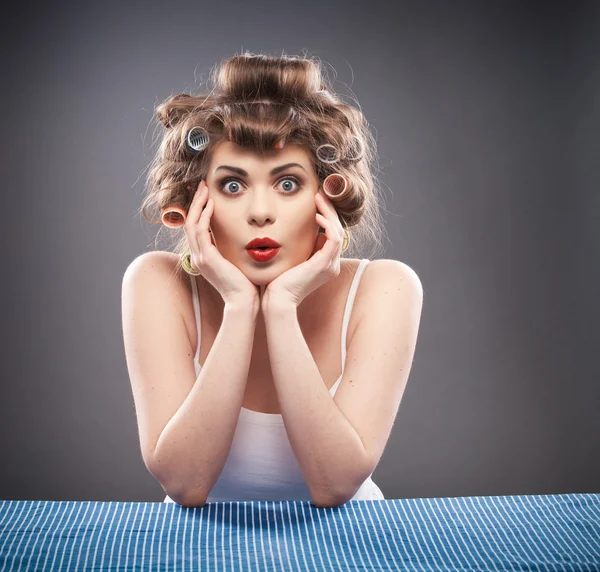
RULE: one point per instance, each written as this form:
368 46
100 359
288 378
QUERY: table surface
520 532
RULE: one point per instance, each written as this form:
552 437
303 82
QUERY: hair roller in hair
356 149
334 185
327 153
197 139
173 217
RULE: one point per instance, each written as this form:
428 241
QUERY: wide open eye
231 189
294 180
225 182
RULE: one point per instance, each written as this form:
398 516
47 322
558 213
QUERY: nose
261 206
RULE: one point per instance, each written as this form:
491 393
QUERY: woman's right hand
228 279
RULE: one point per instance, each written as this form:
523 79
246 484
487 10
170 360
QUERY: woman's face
258 203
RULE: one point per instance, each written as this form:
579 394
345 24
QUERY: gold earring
346 241
186 264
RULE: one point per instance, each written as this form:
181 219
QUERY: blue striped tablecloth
522 532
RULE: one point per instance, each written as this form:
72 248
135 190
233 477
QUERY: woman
266 373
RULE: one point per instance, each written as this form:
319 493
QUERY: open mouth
263 253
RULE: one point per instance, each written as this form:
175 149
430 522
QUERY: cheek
308 227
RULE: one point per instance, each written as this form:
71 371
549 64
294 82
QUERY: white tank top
261 464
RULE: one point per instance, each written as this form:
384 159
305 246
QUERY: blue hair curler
197 139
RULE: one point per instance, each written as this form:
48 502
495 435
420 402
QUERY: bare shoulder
382 274
387 268
147 261
160 268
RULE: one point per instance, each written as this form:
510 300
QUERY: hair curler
335 185
358 147
173 216
197 139
327 153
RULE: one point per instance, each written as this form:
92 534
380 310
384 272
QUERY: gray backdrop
487 122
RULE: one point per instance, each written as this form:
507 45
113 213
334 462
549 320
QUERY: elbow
330 501
334 497
181 494
187 499
192 501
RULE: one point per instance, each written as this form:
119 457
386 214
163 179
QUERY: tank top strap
196 302
350 304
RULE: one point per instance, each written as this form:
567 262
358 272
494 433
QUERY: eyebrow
273 172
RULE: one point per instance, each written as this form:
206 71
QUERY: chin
263 276
261 273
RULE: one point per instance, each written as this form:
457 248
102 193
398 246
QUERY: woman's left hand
295 284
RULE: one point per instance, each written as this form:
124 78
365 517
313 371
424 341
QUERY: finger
325 205
330 213
191 210
194 224
197 193
198 239
203 225
334 242
198 203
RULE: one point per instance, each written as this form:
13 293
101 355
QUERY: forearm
193 447
328 448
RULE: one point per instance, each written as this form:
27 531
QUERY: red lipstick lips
258 242
262 249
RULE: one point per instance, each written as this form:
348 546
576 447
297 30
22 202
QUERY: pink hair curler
173 217
335 185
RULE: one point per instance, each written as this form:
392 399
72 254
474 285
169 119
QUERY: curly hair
256 101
